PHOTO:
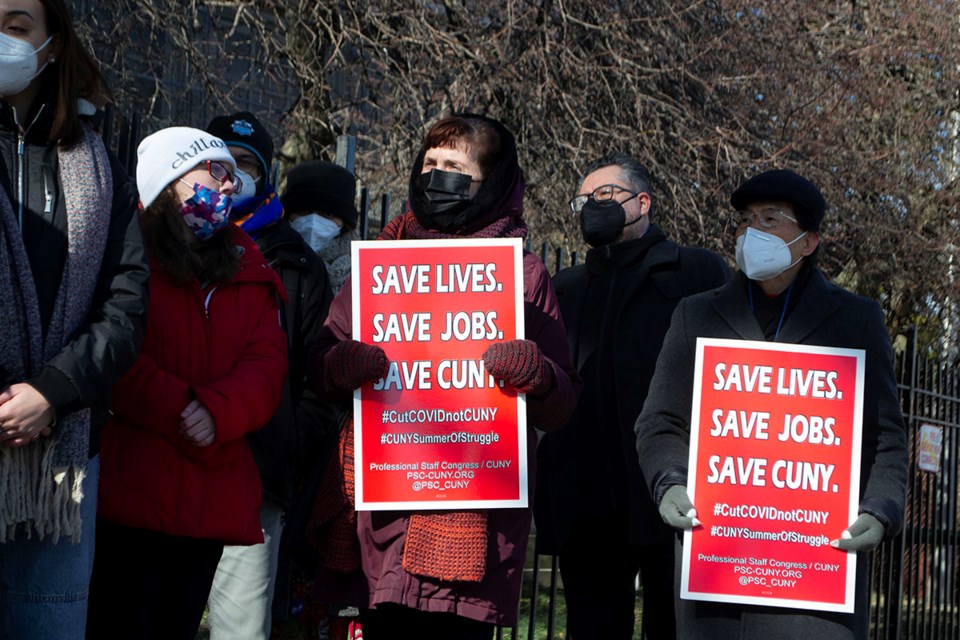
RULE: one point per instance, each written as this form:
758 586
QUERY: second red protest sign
774 474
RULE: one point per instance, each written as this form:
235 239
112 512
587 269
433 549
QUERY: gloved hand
677 510
519 363
351 363
864 534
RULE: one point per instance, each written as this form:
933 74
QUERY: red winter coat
225 347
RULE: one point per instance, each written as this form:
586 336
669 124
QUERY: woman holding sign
778 565
451 574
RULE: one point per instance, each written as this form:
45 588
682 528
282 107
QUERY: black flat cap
783 184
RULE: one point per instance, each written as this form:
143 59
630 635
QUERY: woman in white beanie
178 480
73 278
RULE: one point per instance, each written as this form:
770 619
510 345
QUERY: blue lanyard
783 313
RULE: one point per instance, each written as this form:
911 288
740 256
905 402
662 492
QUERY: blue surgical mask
316 230
206 211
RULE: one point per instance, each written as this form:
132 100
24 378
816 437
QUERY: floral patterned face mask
206 211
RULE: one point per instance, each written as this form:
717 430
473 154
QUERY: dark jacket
83 374
616 308
824 315
286 443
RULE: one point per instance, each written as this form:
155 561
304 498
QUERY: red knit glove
519 363
349 364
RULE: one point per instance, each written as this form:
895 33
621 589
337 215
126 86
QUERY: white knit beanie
164 156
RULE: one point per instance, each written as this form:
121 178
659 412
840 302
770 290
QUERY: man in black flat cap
779 296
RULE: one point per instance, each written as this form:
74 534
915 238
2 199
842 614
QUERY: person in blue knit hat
256 205
241 599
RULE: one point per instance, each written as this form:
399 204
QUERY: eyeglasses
604 193
767 219
250 166
220 173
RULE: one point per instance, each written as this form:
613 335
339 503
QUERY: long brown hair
74 75
182 256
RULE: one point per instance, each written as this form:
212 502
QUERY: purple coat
382 534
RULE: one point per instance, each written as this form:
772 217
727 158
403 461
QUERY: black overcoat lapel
733 307
817 303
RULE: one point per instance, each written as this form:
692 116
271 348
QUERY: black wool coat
825 315
590 466
283 448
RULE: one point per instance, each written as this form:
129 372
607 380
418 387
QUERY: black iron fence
915 592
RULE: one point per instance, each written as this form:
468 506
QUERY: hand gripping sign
438 432
774 474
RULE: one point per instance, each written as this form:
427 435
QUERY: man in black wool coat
592 507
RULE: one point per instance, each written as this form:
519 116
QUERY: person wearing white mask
255 204
318 228
21 62
241 599
320 200
73 280
780 295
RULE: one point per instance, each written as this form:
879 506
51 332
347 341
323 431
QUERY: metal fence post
535 590
364 213
346 152
384 210
894 608
133 137
107 127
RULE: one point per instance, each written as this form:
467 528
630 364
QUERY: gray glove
677 510
864 534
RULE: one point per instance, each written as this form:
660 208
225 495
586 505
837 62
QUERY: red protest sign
774 474
438 432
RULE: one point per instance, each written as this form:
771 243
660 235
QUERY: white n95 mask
762 256
316 230
248 188
18 64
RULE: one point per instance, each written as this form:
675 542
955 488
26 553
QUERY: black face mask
602 222
444 195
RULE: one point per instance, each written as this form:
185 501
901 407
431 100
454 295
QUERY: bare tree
860 97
